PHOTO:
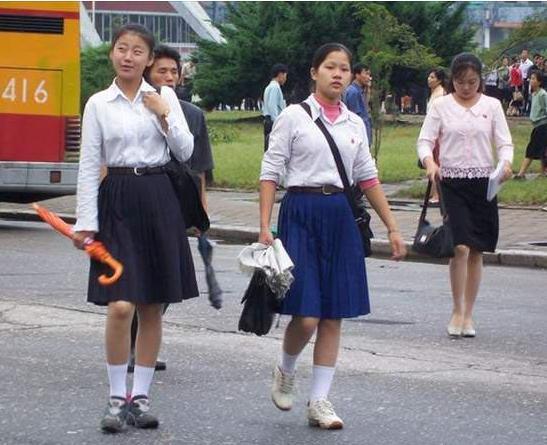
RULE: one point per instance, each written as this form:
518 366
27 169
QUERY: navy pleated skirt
141 225
322 239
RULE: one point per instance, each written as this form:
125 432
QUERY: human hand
432 171
82 238
507 172
265 237
155 103
398 248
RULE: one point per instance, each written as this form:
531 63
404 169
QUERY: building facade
177 24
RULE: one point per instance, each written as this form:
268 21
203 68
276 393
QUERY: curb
380 247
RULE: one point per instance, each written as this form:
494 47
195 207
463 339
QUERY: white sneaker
321 414
282 389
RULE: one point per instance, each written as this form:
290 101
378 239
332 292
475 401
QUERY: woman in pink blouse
466 124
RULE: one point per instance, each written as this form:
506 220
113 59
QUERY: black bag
436 242
354 195
259 306
187 188
187 185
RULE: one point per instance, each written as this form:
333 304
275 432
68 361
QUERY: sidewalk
234 218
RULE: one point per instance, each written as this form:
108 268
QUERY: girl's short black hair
323 51
439 74
460 64
139 30
539 77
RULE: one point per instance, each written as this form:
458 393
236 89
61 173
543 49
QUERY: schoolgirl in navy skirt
317 228
129 128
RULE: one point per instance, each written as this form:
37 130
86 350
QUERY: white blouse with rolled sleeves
466 136
117 132
298 149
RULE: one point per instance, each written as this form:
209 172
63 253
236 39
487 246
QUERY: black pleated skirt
141 225
537 146
473 219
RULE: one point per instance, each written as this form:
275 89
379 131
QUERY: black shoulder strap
441 201
337 158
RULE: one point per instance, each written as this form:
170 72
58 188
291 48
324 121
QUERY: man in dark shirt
165 71
356 99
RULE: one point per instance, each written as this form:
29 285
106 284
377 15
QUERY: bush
96 72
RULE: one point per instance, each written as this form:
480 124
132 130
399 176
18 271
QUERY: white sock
321 382
117 375
142 379
288 363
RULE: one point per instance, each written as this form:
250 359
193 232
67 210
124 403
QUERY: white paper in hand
495 181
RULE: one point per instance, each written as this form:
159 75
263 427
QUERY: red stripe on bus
39 13
32 138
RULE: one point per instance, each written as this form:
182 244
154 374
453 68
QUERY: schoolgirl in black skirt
317 228
466 124
134 211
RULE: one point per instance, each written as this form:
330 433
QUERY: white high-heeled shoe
454 331
469 331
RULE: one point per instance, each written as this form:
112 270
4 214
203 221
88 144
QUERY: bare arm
379 203
267 198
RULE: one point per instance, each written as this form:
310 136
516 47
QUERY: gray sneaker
321 413
139 414
114 419
282 389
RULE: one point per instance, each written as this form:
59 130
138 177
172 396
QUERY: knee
149 313
461 251
308 325
121 311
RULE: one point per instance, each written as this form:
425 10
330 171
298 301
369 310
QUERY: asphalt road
399 380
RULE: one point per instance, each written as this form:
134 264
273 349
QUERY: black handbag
354 195
436 242
187 187
259 306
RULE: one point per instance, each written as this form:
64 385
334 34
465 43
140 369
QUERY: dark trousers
268 124
526 95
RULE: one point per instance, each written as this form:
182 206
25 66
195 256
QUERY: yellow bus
39 99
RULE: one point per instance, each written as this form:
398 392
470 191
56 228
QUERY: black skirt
538 143
141 225
473 219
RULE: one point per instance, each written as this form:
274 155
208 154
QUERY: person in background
356 98
504 82
136 214
524 67
436 81
165 71
516 82
467 124
537 146
274 103
318 229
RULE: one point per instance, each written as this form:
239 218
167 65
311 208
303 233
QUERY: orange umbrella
95 249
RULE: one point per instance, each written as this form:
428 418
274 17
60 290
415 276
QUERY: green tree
96 71
532 34
260 34
436 25
385 52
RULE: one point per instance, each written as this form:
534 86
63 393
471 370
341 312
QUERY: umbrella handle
97 251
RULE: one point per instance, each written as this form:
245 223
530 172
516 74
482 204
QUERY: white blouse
466 136
117 132
299 149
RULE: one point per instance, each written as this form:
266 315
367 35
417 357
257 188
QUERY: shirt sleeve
178 136
352 101
89 171
502 136
202 158
364 168
280 101
269 102
279 148
429 133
